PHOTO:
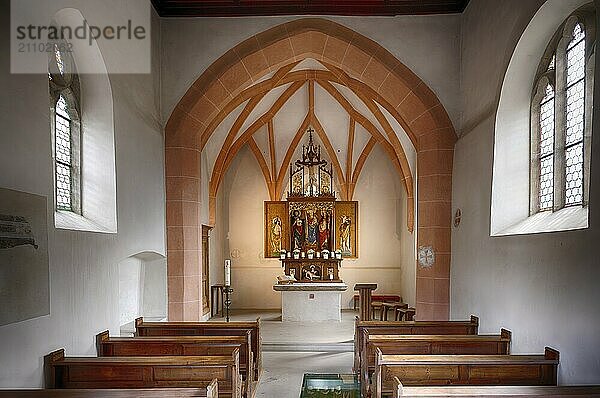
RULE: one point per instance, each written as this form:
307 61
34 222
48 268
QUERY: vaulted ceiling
274 124
237 8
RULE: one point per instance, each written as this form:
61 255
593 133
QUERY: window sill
72 221
567 219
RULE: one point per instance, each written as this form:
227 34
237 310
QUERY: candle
227 272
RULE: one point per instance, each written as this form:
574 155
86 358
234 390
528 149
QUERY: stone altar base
311 302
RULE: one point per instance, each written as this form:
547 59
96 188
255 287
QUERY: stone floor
291 349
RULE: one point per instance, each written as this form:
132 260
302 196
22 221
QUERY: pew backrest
407 327
206 329
181 346
400 391
210 391
431 345
143 372
432 370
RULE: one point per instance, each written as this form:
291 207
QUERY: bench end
212 390
100 338
49 371
551 354
398 388
505 334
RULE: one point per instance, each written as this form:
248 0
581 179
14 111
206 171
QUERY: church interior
276 198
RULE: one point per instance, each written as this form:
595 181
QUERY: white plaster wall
386 248
154 289
428 45
543 287
83 265
130 288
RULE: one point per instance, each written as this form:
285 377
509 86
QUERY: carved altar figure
312 225
324 230
297 230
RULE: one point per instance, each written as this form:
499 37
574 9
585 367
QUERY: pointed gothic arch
354 61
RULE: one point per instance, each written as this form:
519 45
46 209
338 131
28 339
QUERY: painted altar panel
311 225
276 228
346 222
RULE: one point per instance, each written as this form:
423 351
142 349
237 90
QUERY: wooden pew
498 344
207 329
407 327
182 345
210 391
439 370
400 391
143 372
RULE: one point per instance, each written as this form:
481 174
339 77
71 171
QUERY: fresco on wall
24 281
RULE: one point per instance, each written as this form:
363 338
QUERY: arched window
561 117
65 128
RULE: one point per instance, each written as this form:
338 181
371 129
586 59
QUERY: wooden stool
216 298
376 306
405 314
385 307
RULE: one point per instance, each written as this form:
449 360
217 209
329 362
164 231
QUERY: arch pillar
184 231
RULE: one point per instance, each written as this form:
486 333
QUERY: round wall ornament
426 256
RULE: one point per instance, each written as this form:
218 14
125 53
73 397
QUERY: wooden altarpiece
300 230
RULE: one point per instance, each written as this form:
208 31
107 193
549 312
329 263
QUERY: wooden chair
182 346
386 307
390 298
432 370
144 372
404 314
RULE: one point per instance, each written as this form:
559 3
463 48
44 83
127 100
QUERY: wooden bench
407 327
498 344
439 370
210 391
390 298
144 372
182 346
400 391
207 329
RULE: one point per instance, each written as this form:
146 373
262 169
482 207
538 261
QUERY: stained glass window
63 156
575 111
546 183
552 62
560 159
66 132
